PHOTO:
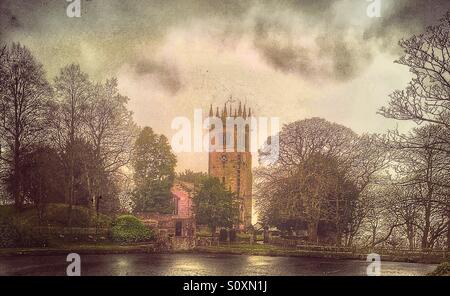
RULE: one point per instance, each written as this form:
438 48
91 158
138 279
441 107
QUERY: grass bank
94 249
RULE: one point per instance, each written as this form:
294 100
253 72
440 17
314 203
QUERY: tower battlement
234 133
228 111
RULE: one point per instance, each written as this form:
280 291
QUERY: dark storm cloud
347 59
284 57
8 21
288 58
404 18
344 59
21 15
331 56
334 54
409 15
166 74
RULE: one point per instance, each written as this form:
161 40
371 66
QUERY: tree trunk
426 228
338 224
312 231
16 176
448 227
71 193
349 241
266 237
16 192
374 233
90 189
72 180
72 161
410 234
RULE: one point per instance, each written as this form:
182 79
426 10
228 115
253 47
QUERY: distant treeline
389 190
73 140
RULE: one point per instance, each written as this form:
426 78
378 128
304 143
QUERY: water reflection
200 264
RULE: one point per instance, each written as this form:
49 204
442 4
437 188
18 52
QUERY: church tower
233 163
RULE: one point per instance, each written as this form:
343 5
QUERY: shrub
128 228
6 213
232 235
57 215
8 235
15 234
20 229
223 235
29 238
204 233
103 221
242 236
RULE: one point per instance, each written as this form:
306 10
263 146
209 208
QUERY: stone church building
232 162
229 164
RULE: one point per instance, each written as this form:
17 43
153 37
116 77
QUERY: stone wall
182 243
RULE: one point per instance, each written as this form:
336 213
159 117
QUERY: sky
287 59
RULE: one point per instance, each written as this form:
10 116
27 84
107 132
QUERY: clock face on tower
223 157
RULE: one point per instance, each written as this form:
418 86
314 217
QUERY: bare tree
402 205
72 91
423 166
364 164
321 174
426 99
427 96
24 94
301 139
111 131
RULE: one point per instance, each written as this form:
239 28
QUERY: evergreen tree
154 172
214 205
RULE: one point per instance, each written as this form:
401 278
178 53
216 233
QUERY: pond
200 264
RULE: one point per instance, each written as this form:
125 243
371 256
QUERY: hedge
128 228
